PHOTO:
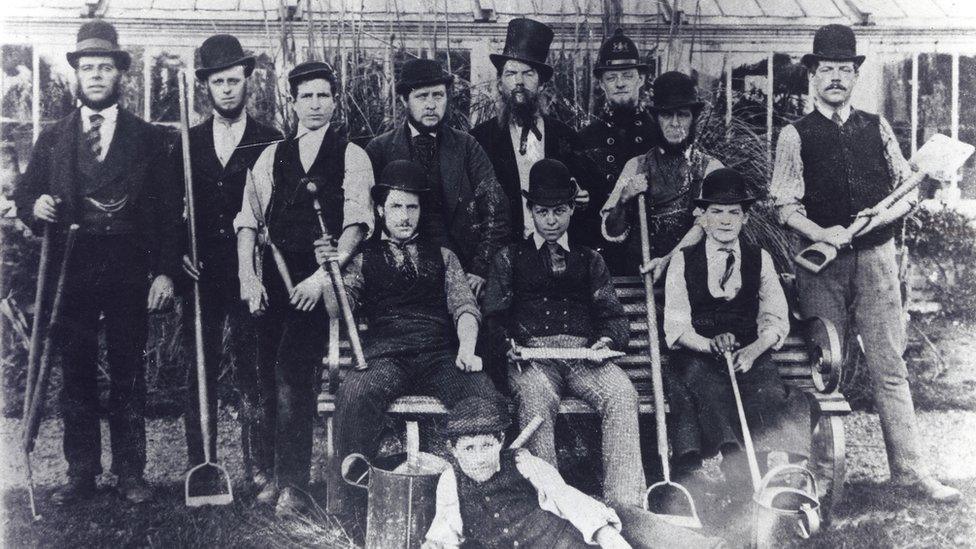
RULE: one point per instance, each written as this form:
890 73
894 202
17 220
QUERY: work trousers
860 294
220 303
106 288
539 386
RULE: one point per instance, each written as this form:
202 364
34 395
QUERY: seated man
723 295
509 498
544 293
422 315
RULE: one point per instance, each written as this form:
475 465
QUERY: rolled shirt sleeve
787 187
357 208
677 308
773 309
899 168
629 171
460 299
257 193
447 528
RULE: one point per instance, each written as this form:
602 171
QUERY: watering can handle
776 471
812 519
346 469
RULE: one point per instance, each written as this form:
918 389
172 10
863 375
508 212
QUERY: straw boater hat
417 73
550 184
833 43
476 415
401 175
618 53
527 41
675 90
724 186
223 51
99 38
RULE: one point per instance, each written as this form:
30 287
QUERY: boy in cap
547 291
320 163
495 497
422 315
724 295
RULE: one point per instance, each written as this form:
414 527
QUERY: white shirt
414 132
563 241
828 111
107 129
535 150
227 134
309 142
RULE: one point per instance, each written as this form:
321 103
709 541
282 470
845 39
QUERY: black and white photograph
438 274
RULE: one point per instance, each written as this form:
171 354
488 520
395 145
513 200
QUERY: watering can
781 514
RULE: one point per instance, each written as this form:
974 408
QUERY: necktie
408 267
524 141
425 147
94 135
729 263
557 258
835 118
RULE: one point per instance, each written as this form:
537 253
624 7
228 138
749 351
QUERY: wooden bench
810 358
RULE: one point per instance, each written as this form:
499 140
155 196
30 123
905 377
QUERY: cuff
467 309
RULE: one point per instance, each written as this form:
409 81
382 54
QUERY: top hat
675 90
550 184
222 51
526 41
401 175
99 38
476 415
417 73
618 53
310 70
833 43
724 186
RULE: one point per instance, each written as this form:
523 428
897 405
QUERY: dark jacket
476 213
147 169
562 143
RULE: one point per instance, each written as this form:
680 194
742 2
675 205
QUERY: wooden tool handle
526 433
351 327
746 434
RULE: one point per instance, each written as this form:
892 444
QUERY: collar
712 247
320 133
219 118
563 241
111 114
414 132
828 111
538 123
385 236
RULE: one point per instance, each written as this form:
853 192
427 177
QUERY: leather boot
76 490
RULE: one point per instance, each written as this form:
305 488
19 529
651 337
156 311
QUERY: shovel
657 377
226 497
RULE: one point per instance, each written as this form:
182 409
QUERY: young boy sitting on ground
509 498
723 295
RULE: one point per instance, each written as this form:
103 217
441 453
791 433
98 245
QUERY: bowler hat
724 186
476 415
401 175
310 70
550 184
222 51
417 73
675 90
618 53
834 43
99 38
527 41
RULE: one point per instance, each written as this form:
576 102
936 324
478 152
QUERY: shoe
290 503
77 489
268 494
933 490
135 490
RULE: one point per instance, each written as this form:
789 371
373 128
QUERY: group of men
452 244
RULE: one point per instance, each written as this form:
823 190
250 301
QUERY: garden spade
208 468
666 485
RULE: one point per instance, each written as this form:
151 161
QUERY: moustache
836 87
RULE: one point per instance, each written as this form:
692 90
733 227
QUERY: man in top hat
625 129
723 295
423 319
318 163
222 149
549 291
112 173
466 210
522 134
833 166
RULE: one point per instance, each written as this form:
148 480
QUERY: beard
624 110
676 148
230 114
523 112
100 104
424 128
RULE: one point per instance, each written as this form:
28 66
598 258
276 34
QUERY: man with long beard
624 130
466 210
222 148
522 134
112 173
